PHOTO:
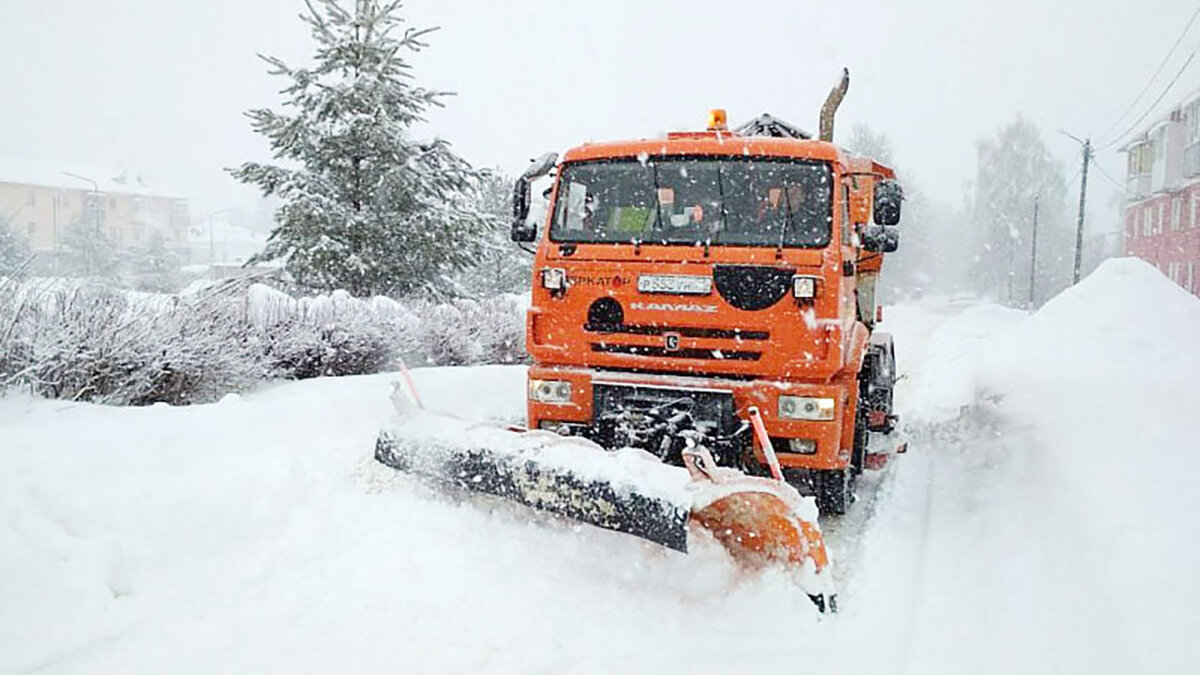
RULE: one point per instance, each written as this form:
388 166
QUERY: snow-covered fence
88 342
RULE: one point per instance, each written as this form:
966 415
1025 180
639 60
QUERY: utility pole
1033 252
1087 156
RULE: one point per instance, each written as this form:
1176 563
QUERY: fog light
560 428
804 287
806 408
803 446
550 391
554 278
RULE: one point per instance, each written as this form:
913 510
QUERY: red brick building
1162 196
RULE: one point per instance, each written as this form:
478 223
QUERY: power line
1108 177
1158 70
1156 101
1071 180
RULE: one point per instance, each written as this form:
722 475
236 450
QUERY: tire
858 456
834 491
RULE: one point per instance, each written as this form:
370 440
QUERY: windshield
748 202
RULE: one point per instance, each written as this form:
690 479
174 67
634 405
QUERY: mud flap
540 486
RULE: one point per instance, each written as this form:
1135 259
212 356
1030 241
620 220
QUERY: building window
1146 212
1176 213
1161 221
1141 157
32 198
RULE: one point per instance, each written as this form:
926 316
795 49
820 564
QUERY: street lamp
95 194
95 208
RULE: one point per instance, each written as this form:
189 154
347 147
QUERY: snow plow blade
761 522
522 480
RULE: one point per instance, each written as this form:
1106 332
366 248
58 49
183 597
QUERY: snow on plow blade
762 523
557 490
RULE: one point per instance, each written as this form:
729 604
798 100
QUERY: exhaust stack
831 105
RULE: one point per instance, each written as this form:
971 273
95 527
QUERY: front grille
711 354
712 409
685 331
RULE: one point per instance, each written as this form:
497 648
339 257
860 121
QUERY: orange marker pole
764 441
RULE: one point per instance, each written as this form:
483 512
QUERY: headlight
803 446
806 408
804 287
550 391
554 278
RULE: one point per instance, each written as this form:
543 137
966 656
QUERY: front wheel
834 491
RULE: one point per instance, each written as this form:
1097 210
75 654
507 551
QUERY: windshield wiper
787 203
721 196
658 226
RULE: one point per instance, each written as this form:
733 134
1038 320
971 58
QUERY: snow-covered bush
97 344
469 332
326 335
501 330
81 341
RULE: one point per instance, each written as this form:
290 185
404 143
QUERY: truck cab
684 285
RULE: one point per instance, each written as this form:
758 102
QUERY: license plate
677 284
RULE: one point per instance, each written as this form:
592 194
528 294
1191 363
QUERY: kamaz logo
674 307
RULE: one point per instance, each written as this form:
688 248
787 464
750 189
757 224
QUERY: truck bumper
833 438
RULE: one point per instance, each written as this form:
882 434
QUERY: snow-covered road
1041 521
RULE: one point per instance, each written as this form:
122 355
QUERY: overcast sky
159 86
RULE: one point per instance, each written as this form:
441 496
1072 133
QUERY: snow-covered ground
1042 521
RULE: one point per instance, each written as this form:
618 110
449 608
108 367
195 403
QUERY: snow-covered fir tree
364 207
85 250
867 142
1014 169
156 268
503 267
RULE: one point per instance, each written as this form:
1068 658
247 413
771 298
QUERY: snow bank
1047 525
1125 321
257 535
1042 521
1106 375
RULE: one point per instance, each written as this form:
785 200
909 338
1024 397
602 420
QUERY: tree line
986 246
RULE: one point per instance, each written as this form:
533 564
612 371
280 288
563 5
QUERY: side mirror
880 238
888 195
522 231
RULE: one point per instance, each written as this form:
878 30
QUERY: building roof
114 180
1134 138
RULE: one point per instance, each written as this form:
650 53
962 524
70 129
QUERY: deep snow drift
1042 520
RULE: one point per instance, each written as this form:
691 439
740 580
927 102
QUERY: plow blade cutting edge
597 502
761 522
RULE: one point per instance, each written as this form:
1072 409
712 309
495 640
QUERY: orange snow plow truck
710 278
702 329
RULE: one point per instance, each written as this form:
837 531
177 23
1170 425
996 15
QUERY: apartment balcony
1137 186
1191 161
